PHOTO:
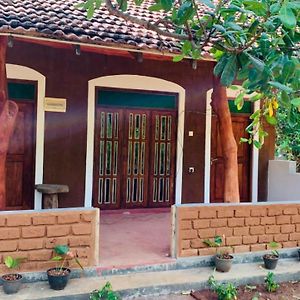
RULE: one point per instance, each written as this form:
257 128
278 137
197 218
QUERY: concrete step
158 282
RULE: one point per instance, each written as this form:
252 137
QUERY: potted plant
12 282
271 259
223 260
58 276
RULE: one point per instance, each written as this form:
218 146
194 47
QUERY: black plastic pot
270 261
58 281
11 286
223 264
299 254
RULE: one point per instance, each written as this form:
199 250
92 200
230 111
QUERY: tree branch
146 24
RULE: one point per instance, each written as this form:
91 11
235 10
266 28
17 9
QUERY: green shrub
224 291
106 293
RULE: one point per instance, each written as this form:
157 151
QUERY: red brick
258 247
18 220
236 222
82 229
188 252
8 246
40 255
187 234
68 219
58 230
79 241
283 220
241 249
83 252
197 243
252 221
185 224
206 233
267 221
2 221
31 244
251 239
242 212
30 266
186 244
224 231
294 236
256 230
288 228
218 223
44 220
296 219
281 237
258 212
225 213
265 238
274 211
290 244
290 211
201 224
241 231
298 227
87 217
188 214
207 213
33 231
273 229
9 233
234 240
207 251
52 242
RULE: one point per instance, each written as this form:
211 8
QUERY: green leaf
178 58
257 63
90 12
287 71
287 17
294 5
243 140
257 144
185 12
280 86
220 28
208 3
296 102
56 258
229 72
218 69
61 249
186 47
156 7
122 4
9 262
271 120
166 4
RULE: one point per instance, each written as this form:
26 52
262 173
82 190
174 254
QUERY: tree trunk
229 147
8 115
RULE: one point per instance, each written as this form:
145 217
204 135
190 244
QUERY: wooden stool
50 193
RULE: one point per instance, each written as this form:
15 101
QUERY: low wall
246 227
33 234
283 181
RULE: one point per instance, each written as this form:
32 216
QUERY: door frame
255 152
140 83
18 72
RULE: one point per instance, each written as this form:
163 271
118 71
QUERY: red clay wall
245 227
32 235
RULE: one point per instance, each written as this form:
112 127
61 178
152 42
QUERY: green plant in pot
58 276
12 282
223 260
271 259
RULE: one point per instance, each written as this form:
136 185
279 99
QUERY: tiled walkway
134 237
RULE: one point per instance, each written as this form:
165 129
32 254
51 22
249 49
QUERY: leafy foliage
274 246
217 242
106 293
254 41
224 291
271 284
13 263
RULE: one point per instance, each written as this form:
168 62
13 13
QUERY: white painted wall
284 182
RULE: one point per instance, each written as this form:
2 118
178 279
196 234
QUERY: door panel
142 147
239 123
20 159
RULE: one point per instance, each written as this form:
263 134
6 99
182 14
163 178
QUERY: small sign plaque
55 104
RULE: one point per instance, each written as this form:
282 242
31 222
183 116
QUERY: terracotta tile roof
60 20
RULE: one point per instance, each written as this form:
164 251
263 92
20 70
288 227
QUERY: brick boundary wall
33 234
246 227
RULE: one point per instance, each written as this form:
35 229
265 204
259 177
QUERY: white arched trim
255 152
136 82
25 73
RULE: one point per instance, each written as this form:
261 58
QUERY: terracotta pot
270 261
223 264
58 281
11 286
